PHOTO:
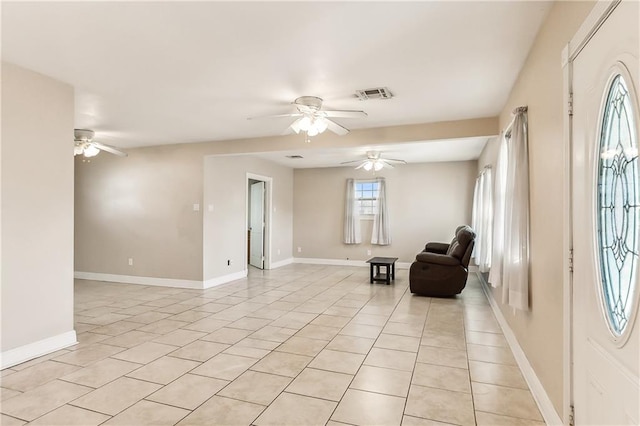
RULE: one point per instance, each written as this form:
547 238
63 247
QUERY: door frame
589 27
268 181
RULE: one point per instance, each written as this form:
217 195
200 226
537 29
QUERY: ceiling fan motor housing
83 134
309 102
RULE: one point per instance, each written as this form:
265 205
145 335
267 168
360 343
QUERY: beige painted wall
426 203
540 330
225 227
140 207
37 207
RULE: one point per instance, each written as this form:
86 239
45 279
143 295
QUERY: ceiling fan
313 120
84 144
375 162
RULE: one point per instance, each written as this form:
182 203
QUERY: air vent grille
295 157
375 93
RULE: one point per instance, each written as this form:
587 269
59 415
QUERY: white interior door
606 220
256 221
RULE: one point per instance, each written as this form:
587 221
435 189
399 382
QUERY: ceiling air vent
295 157
375 93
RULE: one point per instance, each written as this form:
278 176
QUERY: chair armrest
439 259
440 248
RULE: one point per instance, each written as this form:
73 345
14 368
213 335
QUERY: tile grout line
333 286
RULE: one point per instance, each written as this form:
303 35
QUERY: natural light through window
367 197
618 206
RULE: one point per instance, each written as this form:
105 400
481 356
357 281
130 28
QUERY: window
618 207
367 197
483 219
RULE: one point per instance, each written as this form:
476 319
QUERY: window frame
374 199
618 336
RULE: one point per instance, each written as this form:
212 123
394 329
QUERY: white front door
256 221
606 223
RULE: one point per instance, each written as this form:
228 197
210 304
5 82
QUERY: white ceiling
150 73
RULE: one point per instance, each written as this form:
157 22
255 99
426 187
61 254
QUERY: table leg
393 271
388 275
371 273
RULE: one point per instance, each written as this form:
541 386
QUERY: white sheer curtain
381 232
483 219
497 249
511 239
351 215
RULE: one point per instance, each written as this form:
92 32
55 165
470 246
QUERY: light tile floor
299 345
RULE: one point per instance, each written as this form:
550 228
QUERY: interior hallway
302 344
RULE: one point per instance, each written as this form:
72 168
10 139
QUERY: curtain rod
515 111
484 169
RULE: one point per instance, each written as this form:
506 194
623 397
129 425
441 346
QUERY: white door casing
257 197
605 367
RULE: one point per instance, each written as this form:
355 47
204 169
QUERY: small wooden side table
388 262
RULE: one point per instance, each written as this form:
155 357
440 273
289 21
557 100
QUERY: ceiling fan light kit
85 145
376 165
91 151
312 120
312 125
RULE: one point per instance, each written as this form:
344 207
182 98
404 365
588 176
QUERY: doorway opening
258 219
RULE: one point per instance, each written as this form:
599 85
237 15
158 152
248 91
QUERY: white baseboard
335 262
171 282
285 262
34 350
132 279
541 397
342 262
403 265
224 279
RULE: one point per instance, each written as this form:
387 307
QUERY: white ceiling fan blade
361 165
336 128
351 162
293 114
387 165
394 160
109 149
344 114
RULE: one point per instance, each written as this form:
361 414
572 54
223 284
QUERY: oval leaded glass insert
618 209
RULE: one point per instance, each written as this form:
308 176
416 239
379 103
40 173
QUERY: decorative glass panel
618 206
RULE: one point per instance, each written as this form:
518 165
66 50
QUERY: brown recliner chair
441 269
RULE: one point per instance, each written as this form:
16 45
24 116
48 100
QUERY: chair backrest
462 245
455 235
467 255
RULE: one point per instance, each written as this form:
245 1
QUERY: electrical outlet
299 249
229 262
131 261
368 252
278 252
